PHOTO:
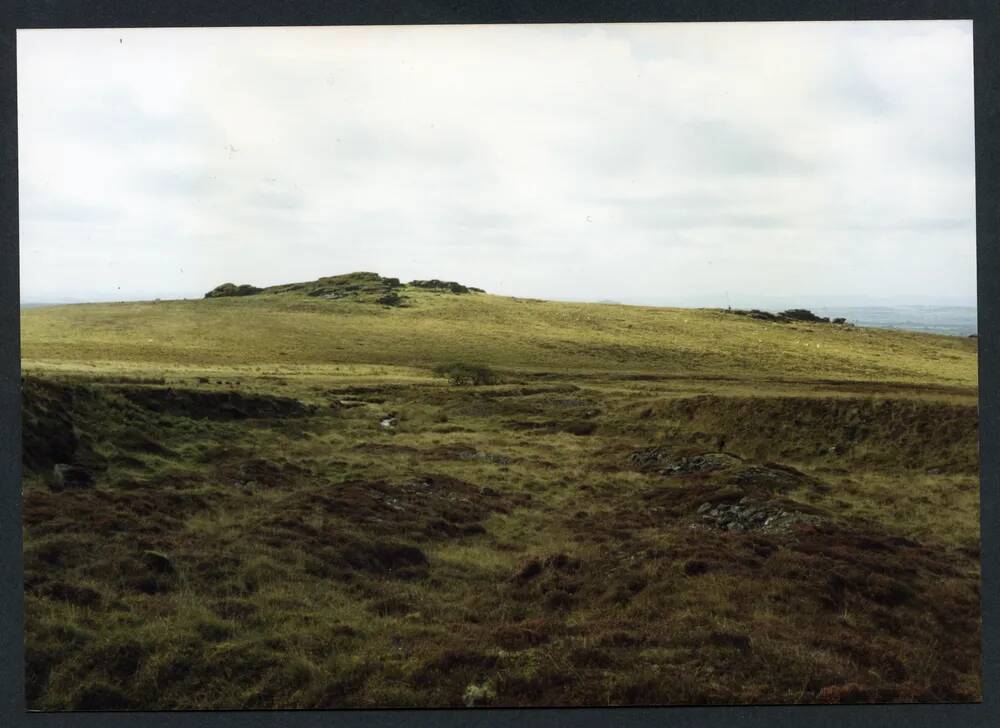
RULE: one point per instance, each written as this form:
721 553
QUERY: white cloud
647 161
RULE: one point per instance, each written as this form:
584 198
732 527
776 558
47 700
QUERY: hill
358 492
321 323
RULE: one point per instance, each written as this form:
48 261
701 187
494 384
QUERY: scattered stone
755 515
659 460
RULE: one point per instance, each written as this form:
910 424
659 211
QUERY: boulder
436 285
231 289
662 461
755 515
803 314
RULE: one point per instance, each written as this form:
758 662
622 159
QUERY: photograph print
483 366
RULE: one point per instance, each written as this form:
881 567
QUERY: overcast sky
661 163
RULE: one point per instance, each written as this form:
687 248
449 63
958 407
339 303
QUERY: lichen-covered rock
231 289
663 461
450 286
803 314
756 515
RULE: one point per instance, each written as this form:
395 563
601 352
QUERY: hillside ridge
365 318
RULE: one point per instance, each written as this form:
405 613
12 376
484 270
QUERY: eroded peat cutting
589 542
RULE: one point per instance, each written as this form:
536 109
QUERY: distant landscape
360 492
948 320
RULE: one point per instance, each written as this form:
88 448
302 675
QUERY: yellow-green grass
290 329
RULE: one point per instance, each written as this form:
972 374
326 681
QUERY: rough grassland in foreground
653 506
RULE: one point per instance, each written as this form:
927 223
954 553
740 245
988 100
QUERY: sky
743 164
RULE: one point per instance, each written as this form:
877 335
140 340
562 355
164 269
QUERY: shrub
459 373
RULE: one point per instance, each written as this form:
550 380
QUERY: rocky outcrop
227 290
663 461
792 315
451 286
360 286
749 514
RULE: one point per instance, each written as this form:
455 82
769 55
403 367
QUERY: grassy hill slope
507 333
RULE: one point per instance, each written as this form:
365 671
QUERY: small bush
460 373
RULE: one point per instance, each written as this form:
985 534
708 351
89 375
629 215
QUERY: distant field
288 328
277 502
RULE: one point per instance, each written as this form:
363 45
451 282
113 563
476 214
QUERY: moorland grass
494 544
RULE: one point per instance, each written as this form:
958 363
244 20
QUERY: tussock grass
496 540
